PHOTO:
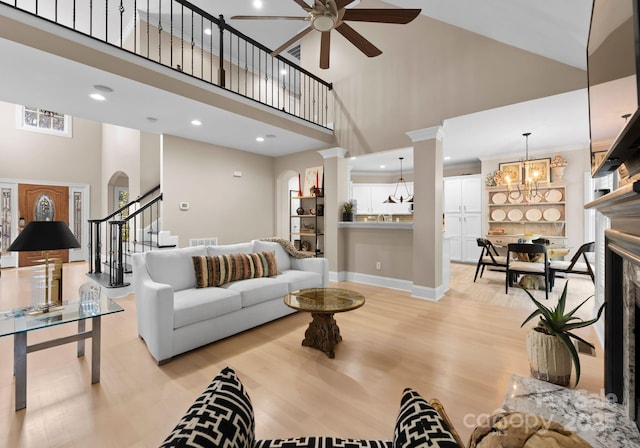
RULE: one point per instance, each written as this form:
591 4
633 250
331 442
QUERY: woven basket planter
549 359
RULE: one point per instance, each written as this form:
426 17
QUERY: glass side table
20 322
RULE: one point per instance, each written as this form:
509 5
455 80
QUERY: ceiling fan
327 15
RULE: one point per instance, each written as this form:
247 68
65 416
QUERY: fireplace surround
622 296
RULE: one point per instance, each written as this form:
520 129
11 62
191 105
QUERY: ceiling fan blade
401 16
267 18
303 5
325 42
291 41
342 3
358 40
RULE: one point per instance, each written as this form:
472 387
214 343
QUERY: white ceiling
555 29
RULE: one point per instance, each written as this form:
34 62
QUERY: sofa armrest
318 265
154 311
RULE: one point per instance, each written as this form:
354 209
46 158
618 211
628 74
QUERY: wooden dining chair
538 264
579 263
488 257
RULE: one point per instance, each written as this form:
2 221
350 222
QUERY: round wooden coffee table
323 332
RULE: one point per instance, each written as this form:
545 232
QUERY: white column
427 213
336 192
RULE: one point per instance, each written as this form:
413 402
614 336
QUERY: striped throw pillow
220 269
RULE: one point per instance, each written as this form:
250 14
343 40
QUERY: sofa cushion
258 290
222 416
298 280
322 442
225 249
174 266
282 257
220 269
196 305
418 424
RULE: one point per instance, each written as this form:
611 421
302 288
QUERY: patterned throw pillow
220 269
419 425
222 416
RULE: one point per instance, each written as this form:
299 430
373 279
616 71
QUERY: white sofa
174 316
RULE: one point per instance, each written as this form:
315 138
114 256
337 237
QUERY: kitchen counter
375 225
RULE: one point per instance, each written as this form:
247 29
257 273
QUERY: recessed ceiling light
259 139
257 4
196 122
207 31
283 72
97 97
353 158
447 158
382 166
102 88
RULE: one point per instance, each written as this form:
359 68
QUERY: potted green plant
347 211
549 345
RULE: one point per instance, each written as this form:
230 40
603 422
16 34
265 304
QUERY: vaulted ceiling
557 30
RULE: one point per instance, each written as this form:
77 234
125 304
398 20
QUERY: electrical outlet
378 265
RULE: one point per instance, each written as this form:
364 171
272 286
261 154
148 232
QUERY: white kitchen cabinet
462 205
370 199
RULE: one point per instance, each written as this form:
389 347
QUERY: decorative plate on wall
515 200
535 199
552 214
515 215
499 198
533 214
554 196
498 215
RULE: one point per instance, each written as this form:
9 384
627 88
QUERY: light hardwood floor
462 350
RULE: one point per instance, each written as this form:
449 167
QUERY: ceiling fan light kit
327 15
323 22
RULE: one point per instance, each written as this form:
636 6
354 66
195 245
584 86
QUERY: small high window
45 121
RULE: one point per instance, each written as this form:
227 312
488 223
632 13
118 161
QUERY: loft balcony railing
179 35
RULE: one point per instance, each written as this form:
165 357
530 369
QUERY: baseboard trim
419 292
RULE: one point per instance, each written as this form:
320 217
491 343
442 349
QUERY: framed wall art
542 167
513 170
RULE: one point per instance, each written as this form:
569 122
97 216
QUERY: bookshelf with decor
306 222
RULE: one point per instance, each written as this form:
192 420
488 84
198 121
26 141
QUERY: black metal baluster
74 14
230 61
221 80
160 31
135 26
182 38
192 42
202 47
106 21
55 14
121 9
148 34
171 34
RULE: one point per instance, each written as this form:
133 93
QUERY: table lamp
45 236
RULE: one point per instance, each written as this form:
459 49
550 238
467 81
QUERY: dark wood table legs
323 333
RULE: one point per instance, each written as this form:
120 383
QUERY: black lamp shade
44 235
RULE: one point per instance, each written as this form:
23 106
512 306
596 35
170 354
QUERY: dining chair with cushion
529 259
488 257
579 263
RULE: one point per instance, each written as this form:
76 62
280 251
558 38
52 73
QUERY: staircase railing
179 35
124 231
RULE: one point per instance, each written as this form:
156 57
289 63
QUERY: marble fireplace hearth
601 422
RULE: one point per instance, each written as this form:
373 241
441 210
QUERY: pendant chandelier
394 199
529 190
